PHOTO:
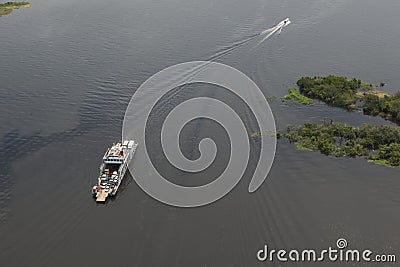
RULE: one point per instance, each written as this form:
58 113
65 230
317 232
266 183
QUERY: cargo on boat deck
113 168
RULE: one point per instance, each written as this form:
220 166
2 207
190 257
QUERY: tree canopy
379 144
342 92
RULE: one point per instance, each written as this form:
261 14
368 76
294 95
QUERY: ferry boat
113 168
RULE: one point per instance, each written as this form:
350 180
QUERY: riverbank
8 7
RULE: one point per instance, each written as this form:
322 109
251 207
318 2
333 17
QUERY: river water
67 72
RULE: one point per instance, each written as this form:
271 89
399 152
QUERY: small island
8 7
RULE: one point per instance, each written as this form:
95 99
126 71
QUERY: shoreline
9 7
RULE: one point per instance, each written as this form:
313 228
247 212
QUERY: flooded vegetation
385 106
379 144
294 95
337 91
346 93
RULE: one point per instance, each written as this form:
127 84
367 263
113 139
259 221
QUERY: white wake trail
268 33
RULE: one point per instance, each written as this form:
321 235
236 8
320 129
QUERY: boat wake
264 35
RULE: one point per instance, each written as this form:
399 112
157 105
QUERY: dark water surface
67 72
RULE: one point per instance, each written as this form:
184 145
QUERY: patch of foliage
335 90
13 4
380 144
387 106
5 11
342 92
8 7
295 95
